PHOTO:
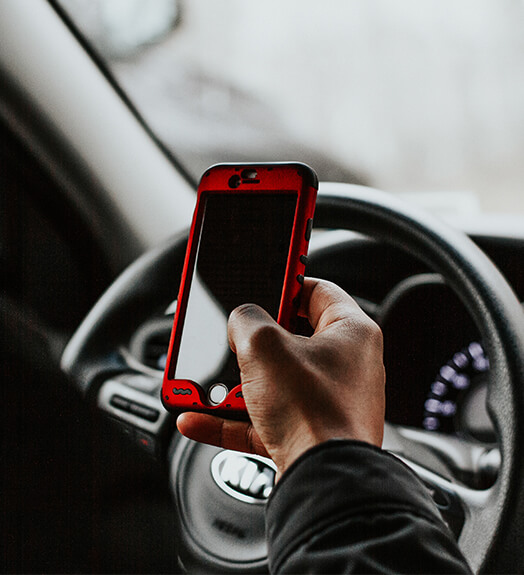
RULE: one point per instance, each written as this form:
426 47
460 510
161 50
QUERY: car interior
95 217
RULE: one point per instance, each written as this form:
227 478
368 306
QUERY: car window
420 98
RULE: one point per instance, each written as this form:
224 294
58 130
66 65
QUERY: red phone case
180 395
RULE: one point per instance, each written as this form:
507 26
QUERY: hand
300 391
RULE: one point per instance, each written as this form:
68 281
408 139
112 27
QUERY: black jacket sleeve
348 507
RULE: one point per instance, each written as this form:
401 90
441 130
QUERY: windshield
420 98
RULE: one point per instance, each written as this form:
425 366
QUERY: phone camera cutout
249 174
234 181
217 393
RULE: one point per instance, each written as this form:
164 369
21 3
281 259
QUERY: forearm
349 507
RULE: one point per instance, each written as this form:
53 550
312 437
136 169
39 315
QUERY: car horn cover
220 497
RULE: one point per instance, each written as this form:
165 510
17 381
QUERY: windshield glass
420 98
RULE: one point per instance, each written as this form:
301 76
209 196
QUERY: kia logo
248 478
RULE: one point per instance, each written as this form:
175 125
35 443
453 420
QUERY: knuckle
372 330
365 330
373 334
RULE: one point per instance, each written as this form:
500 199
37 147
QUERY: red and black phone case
179 395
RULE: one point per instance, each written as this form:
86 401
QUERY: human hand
300 391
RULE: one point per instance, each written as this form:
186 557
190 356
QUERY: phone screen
241 258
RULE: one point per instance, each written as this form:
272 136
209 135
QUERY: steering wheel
224 531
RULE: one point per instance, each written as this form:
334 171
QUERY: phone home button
217 393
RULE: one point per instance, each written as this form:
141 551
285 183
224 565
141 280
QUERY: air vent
150 342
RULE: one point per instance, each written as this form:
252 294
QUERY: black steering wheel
228 535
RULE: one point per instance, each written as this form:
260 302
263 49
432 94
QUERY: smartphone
248 244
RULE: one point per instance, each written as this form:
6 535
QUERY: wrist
301 442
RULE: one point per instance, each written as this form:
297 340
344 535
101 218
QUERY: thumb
253 333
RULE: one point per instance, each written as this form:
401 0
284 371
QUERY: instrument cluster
437 368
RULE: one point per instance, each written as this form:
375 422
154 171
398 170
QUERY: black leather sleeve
348 507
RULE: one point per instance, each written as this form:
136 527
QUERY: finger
236 435
324 303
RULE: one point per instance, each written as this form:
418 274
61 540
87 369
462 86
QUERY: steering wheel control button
125 429
449 506
134 407
439 496
120 403
137 414
146 442
309 228
217 393
144 412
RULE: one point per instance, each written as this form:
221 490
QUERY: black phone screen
241 258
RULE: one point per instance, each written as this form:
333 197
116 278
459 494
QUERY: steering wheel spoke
460 506
453 470
470 462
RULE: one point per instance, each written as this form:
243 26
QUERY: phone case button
303 259
309 227
300 279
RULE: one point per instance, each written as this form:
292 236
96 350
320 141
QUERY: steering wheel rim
500 319
491 532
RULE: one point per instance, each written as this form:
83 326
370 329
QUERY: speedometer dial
456 401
